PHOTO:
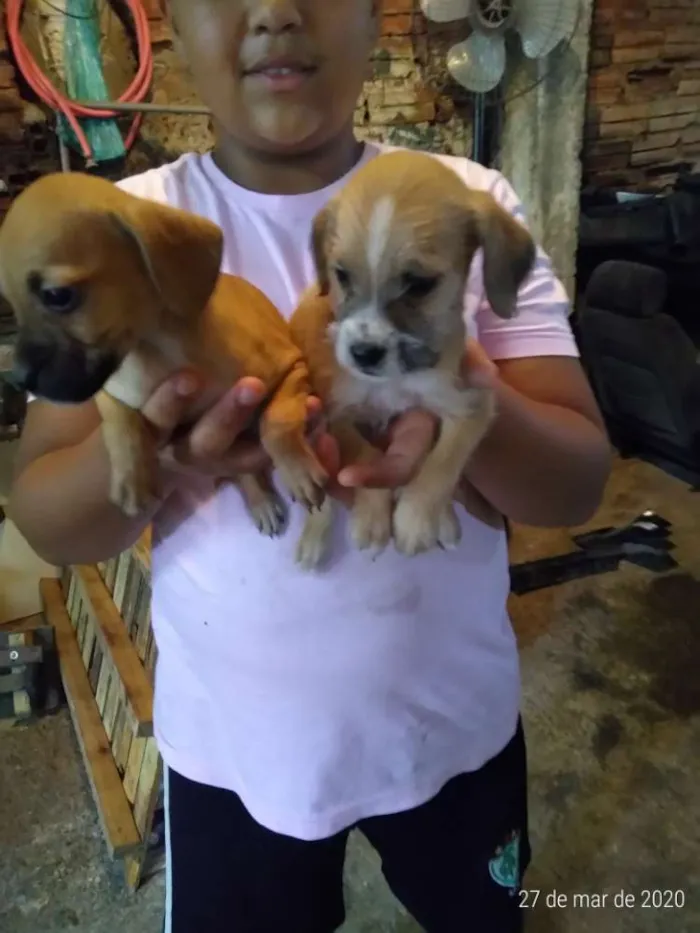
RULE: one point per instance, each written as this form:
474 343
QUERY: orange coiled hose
57 101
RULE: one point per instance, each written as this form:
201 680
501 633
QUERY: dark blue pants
456 863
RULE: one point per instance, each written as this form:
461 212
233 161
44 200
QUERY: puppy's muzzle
368 356
69 373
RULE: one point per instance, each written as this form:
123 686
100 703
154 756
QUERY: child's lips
281 78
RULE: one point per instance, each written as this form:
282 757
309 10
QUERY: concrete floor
612 712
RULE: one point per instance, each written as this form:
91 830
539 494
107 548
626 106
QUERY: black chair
642 365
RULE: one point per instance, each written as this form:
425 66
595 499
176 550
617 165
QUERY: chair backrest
640 360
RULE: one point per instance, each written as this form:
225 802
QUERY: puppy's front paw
450 530
370 523
312 547
305 479
269 514
421 525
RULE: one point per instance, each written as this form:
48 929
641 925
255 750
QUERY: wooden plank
133 768
15 706
131 598
143 621
147 793
82 620
142 550
112 704
151 653
148 787
95 668
122 741
103 682
116 643
71 601
65 578
27 624
122 579
120 737
116 818
111 573
89 640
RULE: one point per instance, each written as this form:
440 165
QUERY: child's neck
287 174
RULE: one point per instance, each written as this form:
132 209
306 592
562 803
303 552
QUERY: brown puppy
114 292
385 332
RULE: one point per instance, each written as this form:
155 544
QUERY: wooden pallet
29 684
107 655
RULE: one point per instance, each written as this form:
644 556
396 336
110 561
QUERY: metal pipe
478 128
118 107
63 152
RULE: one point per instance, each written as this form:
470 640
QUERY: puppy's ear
509 252
321 234
181 252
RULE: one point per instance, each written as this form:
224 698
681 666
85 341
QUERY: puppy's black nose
30 358
368 355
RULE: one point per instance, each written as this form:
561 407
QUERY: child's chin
288 126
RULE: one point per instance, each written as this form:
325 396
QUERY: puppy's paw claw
450 530
306 484
132 494
421 527
269 515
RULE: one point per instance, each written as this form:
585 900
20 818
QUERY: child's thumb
168 404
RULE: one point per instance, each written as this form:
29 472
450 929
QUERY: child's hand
411 436
214 445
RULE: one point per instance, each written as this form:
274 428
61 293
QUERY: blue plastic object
85 79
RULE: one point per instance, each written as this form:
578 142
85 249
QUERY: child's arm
546 460
59 500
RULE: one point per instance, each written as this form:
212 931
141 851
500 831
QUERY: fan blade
543 24
445 11
478 63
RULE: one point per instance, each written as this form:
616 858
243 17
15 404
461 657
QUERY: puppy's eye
343 277
418 286
58 299
61 299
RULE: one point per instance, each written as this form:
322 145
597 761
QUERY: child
384 695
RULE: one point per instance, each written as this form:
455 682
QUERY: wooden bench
106 652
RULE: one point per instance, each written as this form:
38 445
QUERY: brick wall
27 144
408 100
643 122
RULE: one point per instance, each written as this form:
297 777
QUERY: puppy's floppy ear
181 252
321 233
508 248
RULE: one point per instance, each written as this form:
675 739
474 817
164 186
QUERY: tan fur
152 296
430 225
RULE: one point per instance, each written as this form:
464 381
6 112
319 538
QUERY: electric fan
478 63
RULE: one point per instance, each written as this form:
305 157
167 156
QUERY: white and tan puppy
112 293
385 332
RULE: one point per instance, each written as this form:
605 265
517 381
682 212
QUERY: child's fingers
168 404
314 416
328 453
217 430
412 438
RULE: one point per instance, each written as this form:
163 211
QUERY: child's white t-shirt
325 698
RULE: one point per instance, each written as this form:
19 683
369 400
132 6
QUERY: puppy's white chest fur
143 370
377 401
